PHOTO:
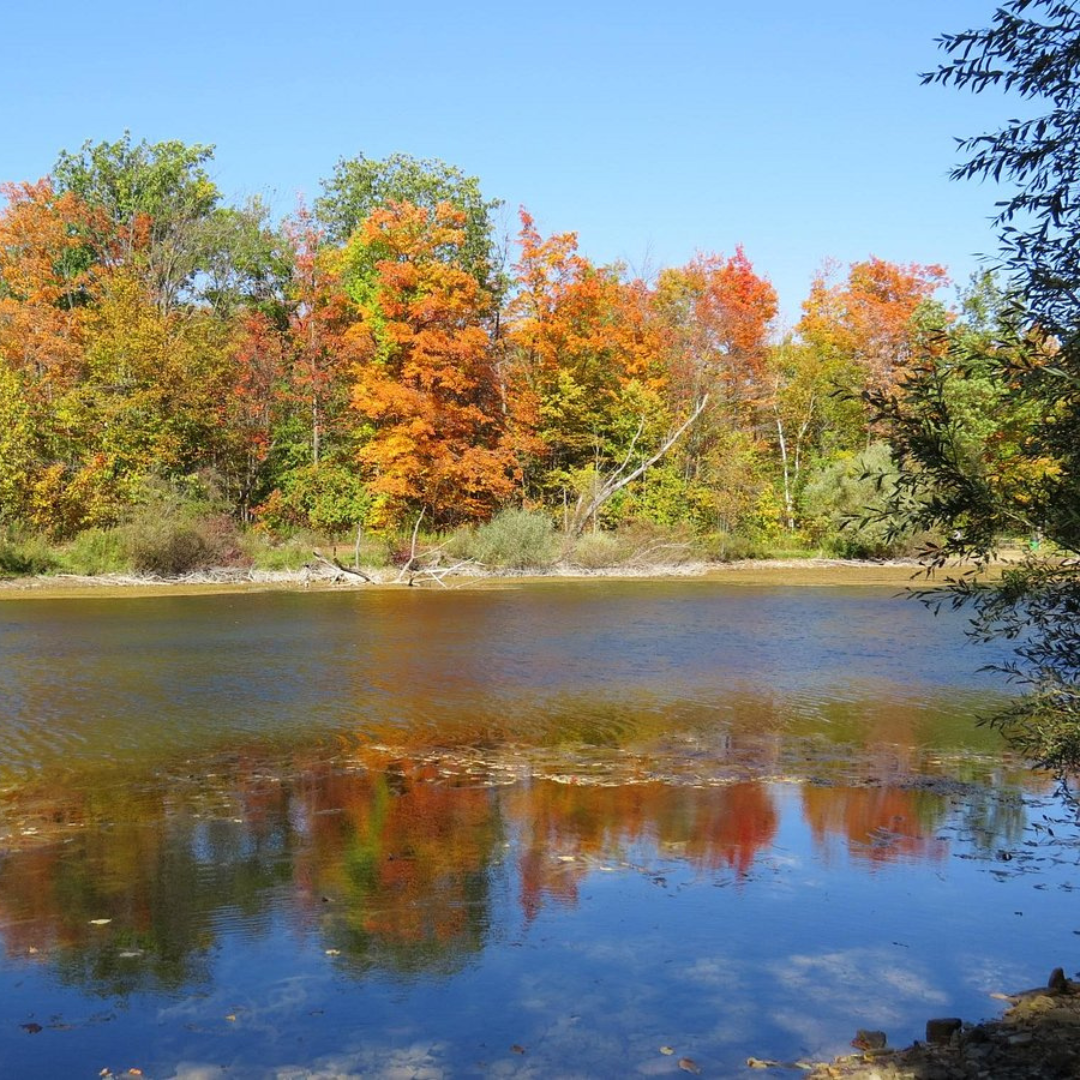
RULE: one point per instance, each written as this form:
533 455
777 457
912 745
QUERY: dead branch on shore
334 564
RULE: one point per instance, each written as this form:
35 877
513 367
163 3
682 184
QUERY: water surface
545 830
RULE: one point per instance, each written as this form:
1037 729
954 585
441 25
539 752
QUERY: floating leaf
667 1050
518 1049
689 1065
32 1028
333 952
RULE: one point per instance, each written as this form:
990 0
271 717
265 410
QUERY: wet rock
869 1040
941 1030
1057 983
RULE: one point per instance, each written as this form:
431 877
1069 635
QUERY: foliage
1006 457
845 501
599 551
427 382
97 551
360 186
371 361
517 540
25 555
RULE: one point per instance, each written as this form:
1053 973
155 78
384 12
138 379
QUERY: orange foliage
427 380
868 318
569 315
46 281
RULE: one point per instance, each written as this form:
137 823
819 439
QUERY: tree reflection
393 861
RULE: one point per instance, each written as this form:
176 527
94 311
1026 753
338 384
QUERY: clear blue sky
653 130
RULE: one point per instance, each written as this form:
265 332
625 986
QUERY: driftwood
341 568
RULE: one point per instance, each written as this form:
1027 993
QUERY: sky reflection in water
385 834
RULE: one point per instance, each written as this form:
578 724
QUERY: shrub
599 550
97 551
844 504
731 547
26 556
515 539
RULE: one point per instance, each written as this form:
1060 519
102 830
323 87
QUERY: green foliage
330 497
97 551
25 555
264 552
845 503
1002 454
361 185
515 540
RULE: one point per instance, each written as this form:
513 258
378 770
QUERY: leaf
689 1065
100 922
667 1050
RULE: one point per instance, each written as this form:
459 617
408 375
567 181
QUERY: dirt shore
811 572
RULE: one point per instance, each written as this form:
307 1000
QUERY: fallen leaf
333 952
231 1016
31 1027
689 1065
517 1049
667 1050
100 922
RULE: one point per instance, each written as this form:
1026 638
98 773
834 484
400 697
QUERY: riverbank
1038 1038
810 572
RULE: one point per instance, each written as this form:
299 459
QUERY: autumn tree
359 186
585 348
716 315
426 386
866 326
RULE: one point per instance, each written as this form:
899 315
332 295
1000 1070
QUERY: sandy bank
812 572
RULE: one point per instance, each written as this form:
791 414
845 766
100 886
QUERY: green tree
156 199
362 185
1025 479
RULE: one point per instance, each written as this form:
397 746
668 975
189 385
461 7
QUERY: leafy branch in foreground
987 429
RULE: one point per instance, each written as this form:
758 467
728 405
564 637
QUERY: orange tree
434 427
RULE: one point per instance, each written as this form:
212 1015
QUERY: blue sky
653 131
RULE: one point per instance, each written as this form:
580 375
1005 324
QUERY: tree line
386 355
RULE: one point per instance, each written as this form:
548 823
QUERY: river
563 829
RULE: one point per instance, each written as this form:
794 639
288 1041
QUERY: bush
26 556
599 550
97 551
514 539
178 532
168 548
732 547
844 504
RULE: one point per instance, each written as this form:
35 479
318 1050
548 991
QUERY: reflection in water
393 867
364 833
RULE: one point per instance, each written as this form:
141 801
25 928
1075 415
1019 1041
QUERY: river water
558 829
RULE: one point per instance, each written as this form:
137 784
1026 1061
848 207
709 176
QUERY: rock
941 1031
869 1040
1057 983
